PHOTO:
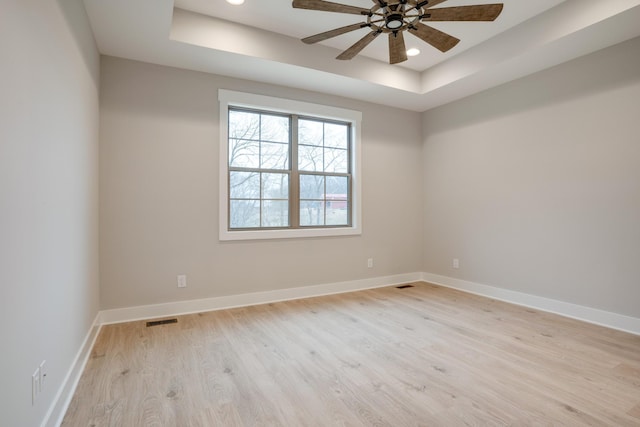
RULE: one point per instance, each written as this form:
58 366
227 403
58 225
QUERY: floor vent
162 322
404 286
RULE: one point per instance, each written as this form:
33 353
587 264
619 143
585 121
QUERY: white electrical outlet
456 263
182 281
370 263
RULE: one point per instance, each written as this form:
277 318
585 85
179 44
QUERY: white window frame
229 98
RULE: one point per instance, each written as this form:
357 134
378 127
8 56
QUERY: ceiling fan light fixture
413 51
235 2
394 21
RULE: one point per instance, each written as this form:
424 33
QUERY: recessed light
235 2
413 52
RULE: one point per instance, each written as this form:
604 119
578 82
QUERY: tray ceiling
260 40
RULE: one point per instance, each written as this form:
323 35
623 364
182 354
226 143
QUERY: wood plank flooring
421 356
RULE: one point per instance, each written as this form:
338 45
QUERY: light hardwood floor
422 356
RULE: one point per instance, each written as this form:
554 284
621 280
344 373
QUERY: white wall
535 185
48 198
159 194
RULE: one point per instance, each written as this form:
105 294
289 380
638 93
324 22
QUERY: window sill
226 235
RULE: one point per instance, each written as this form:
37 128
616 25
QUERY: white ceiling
260 41
279 17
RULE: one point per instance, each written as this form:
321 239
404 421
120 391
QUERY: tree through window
288 171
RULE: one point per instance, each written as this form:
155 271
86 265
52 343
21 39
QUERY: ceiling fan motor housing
394 16
394 21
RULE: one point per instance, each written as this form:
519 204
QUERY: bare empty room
317 213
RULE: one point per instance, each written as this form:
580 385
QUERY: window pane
310 158
244 185
243 153
244 125
337 212
310 132
337 188
244 213
274 156
274 128
312 187
275 213
336 135
275 186
336 160
311 213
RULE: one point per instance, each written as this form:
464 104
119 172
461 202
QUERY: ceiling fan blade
425 3
482 12
328 6
332 33
358 46
436 38
397 48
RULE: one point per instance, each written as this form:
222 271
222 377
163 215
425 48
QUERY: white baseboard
61 402
587 314
579 312
129 314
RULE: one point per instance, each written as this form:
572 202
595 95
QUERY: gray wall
48 196
159 145
535 185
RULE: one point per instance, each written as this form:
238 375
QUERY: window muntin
261 146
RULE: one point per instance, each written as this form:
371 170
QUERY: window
288 168
259 169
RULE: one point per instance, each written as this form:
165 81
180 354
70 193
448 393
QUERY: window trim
280 105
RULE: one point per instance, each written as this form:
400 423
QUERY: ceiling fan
394 17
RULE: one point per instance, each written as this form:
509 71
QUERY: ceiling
259 40
279 17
